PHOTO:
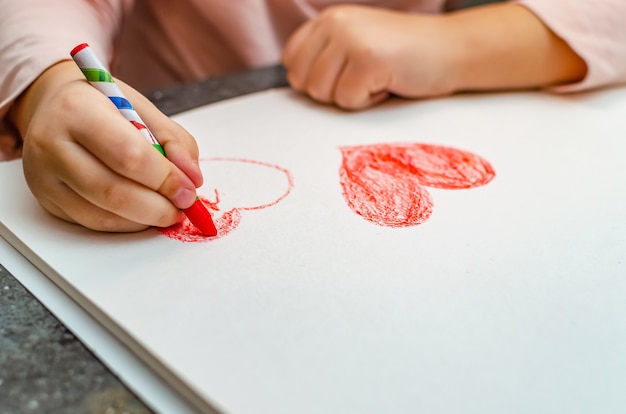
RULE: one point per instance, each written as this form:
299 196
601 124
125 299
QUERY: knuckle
335 15
348 101
295 79
184 138
318 93
364 55
36 145
75 98
114 198
176 187
132 158
68 101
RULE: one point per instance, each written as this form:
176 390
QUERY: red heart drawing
384 183
227 212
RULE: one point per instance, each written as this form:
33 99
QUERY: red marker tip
201 218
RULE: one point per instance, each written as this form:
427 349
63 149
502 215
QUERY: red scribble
229 220
384 183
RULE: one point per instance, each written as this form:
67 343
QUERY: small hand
86 164
355 56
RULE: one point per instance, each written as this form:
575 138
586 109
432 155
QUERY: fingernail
196 165
184 197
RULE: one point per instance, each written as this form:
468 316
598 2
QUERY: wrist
506 46
455 53
38 92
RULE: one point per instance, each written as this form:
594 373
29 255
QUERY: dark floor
45 369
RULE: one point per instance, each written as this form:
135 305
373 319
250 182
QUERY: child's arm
354 56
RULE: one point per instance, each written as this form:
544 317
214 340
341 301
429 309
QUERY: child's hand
86 164
354 56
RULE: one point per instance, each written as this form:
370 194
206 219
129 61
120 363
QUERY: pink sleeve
595 30
35 34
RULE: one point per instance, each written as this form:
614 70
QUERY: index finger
121 147
180 146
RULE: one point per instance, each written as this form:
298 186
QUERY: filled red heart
385 183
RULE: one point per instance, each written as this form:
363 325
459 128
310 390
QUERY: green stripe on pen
97 75
159 148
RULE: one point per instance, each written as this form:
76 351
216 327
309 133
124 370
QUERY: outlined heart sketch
230 200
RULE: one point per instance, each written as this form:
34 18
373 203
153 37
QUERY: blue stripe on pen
120 103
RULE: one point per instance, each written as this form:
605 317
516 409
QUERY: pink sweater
152 44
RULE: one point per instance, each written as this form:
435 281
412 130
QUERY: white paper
509 298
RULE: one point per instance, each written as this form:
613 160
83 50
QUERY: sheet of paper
489 280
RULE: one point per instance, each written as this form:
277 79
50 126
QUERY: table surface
43 366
